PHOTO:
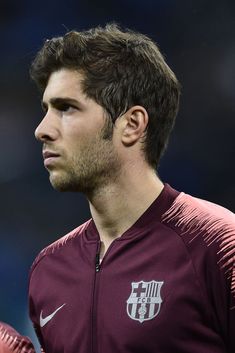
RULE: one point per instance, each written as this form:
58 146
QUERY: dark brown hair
121 68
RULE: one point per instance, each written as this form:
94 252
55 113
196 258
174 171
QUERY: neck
117 206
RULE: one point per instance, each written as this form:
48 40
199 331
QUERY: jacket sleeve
221 286
12 342
208 231
217 273
228 293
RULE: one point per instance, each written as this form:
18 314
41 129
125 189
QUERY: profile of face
76 151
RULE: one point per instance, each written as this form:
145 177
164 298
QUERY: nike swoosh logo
45 320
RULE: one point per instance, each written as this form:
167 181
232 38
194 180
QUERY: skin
113 173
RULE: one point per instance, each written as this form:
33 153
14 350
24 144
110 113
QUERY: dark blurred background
198 39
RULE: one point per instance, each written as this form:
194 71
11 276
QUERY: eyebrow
58 100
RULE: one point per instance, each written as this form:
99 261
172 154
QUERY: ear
134 125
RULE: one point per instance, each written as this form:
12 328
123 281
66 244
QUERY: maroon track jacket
167 285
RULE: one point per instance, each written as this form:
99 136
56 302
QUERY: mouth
49 157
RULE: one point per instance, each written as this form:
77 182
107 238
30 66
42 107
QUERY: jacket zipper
97 262
94 345
94 328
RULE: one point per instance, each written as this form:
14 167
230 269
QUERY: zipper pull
97 262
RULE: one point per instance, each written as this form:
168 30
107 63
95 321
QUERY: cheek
76 132
79 145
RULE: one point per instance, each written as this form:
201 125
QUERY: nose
47 130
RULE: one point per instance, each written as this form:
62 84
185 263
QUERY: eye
66 108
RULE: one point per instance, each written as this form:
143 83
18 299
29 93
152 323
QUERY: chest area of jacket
135 291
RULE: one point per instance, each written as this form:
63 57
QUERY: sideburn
107 129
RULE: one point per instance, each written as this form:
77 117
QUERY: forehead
64 82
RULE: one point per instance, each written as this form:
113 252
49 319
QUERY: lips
49 158
49 154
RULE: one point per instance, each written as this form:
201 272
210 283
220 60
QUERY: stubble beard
95 166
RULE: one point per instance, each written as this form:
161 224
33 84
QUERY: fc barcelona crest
145 300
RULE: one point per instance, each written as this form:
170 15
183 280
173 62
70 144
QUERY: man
12 342
153 270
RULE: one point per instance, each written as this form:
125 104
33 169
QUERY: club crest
145 300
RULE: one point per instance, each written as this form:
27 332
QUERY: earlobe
135 124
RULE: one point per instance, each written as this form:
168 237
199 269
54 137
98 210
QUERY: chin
70 183
59 183
61 188
63 184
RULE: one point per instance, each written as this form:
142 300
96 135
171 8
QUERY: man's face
76 152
